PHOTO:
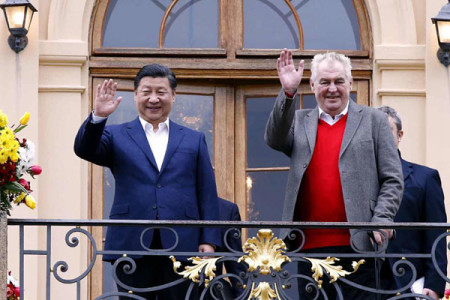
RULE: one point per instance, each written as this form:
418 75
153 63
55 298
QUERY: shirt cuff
96 119
289 95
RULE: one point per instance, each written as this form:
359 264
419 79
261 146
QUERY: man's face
397 134
154 99
331 87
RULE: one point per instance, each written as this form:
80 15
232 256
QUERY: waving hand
104 100
289 77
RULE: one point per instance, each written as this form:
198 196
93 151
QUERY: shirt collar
161 125
342 113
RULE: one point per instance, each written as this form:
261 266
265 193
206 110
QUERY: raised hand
289 77
105 104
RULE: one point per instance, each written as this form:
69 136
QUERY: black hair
156 70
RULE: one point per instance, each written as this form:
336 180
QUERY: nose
153 98
332 87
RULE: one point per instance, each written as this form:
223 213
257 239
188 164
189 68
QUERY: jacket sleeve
279 133
390 175
93 143
434 212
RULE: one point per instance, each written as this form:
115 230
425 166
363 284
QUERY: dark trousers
365 276
154 271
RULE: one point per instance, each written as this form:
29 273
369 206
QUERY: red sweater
320 196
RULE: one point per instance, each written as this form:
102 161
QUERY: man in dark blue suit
423 201
162 172
228 211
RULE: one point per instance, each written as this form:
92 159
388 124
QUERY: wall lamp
18 14
442 22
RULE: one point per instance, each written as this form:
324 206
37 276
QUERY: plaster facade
50 79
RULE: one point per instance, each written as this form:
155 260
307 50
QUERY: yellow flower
3 119
19 198
30 202
14 157
25 118
3 156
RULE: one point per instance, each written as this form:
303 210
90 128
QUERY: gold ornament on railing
335 271
193 272
263 292
264 252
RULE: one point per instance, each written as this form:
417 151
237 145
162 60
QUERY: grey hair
392 113
331 57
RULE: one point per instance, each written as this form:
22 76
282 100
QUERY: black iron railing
269 268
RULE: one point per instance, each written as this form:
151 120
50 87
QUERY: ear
311 83
400 135
351 83
174 93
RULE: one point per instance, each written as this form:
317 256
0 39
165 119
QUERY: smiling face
331 87
154 99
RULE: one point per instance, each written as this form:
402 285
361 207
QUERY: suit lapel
137 134
176 134
406 168
354 117
311 123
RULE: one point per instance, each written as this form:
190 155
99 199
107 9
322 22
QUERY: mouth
333 97
153 108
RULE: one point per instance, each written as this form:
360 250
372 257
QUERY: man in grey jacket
344 164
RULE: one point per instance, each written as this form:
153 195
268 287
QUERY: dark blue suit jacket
184 189
229 211
423 201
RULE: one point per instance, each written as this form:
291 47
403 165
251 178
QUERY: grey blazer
369 165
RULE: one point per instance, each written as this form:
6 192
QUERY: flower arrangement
12 288
16 160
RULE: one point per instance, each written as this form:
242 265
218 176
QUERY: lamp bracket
444 57
17 43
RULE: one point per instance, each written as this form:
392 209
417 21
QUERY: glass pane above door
327 24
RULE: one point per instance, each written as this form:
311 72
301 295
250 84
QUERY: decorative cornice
62 89
402 92
400 64
62 60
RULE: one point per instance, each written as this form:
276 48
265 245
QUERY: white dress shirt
329 119
157 140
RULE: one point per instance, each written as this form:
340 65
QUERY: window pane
195 112
309 101
133 23
136 23
327 24
193 24
258 153
265 196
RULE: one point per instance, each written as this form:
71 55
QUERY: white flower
26 155
12 280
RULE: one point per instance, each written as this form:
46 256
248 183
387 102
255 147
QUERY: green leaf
19 128
15 187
